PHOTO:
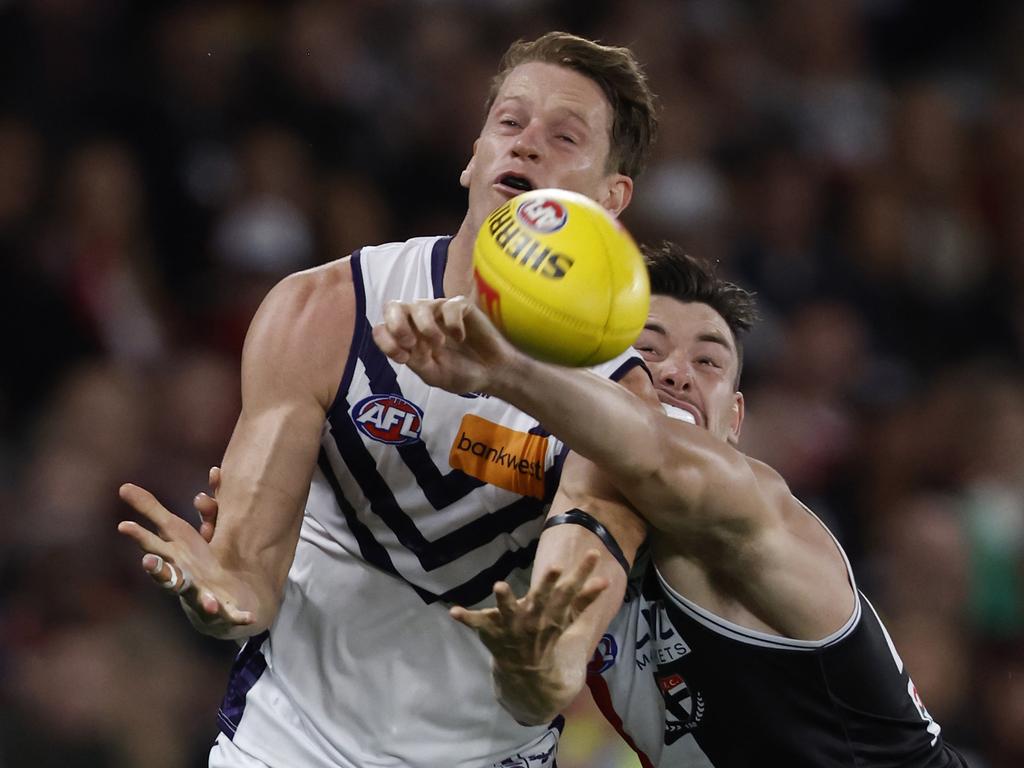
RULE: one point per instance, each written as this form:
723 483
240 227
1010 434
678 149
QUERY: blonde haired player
357 502
750 643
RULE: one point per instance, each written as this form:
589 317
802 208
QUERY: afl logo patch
388 419
604 657
542 215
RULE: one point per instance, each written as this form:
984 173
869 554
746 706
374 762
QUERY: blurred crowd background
859 163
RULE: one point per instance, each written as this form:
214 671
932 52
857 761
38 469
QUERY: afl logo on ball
542 215
388 419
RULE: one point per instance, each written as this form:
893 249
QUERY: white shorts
225 754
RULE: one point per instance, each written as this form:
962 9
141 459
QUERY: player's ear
617 194
736 418
467 172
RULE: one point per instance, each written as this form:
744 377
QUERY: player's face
691 353
549 127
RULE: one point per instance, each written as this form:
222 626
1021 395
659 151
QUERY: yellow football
561 278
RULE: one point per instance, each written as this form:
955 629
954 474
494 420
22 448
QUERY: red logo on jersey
669 682
489 299
542 215
388 419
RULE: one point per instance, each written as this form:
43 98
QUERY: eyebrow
568 113
715 338
708 336
561 112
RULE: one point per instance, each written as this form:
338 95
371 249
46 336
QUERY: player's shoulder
768 478
398 249
309 308
326 288
332 274
303 327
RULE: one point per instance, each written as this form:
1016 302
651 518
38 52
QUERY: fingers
506 601
145 503
166 574
177 579
540 596
424 318
407 325
588 594
146 539
586 567
396 322
207 508
388 344
570 591
406 321
478 620
230 612
453 317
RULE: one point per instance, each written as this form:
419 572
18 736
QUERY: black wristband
579 517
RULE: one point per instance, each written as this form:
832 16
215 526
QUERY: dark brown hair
676 274
616 71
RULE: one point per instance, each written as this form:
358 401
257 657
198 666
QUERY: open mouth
518 183
679 414
680 409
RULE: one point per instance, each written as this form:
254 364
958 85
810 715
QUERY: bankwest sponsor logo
500 456
388 419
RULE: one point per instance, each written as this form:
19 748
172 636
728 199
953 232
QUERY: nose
674 375
527 145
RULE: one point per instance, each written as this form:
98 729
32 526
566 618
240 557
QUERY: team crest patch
501 456
604 657
684 708
388 419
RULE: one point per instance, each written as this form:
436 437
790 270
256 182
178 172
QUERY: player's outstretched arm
450 343
524 636
681 477
291 365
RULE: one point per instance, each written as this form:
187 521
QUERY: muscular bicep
292 360
589 487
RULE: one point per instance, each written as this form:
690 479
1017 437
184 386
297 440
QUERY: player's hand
179 559
206 505
522 634
449 343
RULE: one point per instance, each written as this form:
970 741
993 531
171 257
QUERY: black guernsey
750 699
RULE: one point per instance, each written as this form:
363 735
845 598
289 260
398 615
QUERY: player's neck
458 274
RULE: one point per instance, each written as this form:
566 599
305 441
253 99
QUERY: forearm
257 567
266 474
597 418
536 693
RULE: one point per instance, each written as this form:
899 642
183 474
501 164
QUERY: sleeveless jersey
690 689
421 498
